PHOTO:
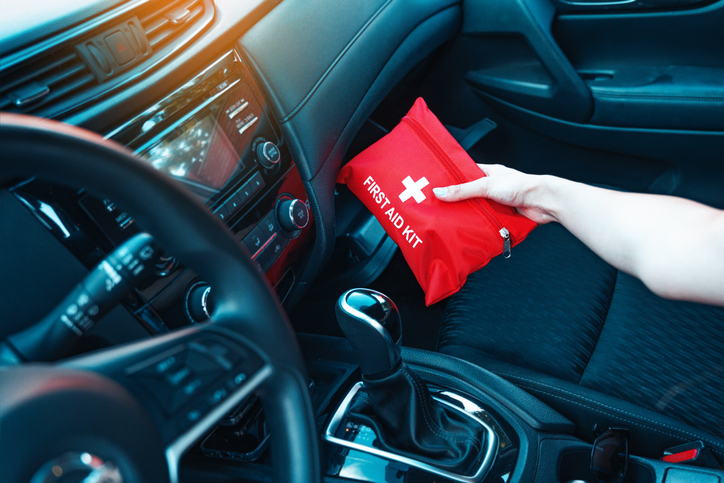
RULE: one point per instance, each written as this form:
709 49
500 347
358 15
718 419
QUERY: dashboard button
245 193
234 203
268 225
268 154
256 182
264 260
255 240
292 215
223 212
120 47
276 247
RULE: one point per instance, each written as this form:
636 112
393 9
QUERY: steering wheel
108 409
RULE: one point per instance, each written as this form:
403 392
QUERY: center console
215 135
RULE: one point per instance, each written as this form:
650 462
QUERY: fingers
496 169
463 191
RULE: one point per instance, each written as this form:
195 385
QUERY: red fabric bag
442 242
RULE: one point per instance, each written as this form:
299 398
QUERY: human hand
524 192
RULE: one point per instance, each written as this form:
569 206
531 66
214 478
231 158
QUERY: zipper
440 153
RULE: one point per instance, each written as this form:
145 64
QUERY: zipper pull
506 242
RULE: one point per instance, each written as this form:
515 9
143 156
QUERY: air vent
44 80
81 65
163 25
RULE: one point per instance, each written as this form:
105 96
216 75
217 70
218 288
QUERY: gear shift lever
371 323
407 420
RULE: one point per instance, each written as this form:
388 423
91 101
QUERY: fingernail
440 191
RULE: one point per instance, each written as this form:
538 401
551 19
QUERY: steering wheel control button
239 379
178 377
120 47
217 396
268 154
292 214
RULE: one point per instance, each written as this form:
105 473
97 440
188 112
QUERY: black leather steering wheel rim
245 303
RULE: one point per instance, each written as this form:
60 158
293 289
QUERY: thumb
472 189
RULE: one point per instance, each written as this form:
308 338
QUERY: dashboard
239 101
216 136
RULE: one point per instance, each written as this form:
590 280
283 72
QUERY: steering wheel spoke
147 402
187 380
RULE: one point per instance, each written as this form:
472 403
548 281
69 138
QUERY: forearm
675 246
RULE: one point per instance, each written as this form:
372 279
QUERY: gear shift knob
371 323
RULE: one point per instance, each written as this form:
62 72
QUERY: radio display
199 153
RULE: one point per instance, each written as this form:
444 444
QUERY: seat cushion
664 355
593 343
521 310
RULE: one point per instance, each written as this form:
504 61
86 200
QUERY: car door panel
653 80
530 70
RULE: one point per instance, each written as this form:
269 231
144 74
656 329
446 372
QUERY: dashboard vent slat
74 68
59 72
163 25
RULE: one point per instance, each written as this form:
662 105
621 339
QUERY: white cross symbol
414 189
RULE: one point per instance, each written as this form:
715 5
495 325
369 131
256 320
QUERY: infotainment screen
199 153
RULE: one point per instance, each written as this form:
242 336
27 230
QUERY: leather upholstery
411 423
621 356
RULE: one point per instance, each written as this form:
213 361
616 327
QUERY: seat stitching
428 419
630 420
605 317
532 385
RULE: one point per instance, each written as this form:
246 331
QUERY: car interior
188 295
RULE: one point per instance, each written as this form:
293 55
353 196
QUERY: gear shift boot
355 425
408 421
395 405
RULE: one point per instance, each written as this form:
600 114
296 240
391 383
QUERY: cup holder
575 466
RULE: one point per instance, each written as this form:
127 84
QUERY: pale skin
675 246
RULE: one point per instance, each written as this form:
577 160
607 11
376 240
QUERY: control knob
293 214
268 154
199 304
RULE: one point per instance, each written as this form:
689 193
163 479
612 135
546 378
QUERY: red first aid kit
442 242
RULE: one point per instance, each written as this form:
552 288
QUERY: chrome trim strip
491 442
195 111
178 92
248 125
238 110
176 450
271 239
